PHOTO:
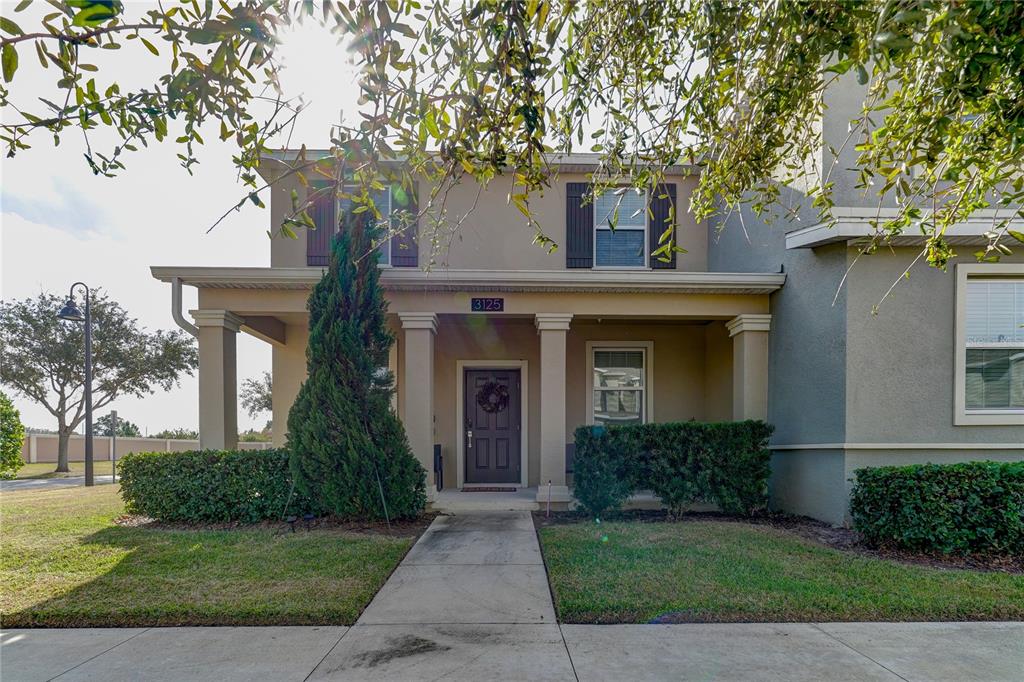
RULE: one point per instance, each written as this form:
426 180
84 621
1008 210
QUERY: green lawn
46 469
724 571
64 562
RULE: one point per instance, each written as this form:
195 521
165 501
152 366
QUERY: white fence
42 447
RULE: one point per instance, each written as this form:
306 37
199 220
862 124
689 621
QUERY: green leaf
1019 236
150 46
840 67
431 124
8 26
95 13
10 62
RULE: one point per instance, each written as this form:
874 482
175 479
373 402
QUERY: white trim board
416 279
854 223
524 398
961 415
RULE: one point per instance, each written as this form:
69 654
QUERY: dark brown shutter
322 210
405 251
663 199
579 226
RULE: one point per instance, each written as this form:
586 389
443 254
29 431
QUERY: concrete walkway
471 602
17 484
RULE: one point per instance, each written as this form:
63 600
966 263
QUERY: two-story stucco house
600 332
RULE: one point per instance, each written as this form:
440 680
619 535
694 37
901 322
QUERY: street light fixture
72 313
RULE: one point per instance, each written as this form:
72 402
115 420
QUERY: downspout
179 319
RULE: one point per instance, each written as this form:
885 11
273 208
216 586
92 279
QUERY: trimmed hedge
970 507
208 485
726 463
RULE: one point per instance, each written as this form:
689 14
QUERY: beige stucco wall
288 370
493 234
718 370
483 338
291 304
678 381
692 380
679 371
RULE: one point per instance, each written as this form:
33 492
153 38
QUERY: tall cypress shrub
345 443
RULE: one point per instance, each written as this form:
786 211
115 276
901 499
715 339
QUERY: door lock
469 438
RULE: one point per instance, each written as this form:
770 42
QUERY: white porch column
749 334
418 407
552 328
218 378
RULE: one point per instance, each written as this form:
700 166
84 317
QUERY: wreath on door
492 397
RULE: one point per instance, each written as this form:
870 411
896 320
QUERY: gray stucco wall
899 376
807 342
843 102
810 482
840 374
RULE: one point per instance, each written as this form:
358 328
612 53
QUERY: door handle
469 438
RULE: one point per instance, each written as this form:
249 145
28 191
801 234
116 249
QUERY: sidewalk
471 602
17 484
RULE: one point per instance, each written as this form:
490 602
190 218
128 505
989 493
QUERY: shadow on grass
138 576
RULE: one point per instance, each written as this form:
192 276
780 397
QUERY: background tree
254 436
489 87
42 358
12 435
125 429
257 394
345 442
177 434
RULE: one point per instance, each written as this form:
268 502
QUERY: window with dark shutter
579 226
322 210
404 246
663 200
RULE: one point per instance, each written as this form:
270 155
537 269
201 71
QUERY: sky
60 224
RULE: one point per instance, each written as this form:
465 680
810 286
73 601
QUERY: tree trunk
63 438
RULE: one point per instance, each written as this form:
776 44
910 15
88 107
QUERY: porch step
523 499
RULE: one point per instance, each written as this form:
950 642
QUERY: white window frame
385 248
961 415
604 226
648 389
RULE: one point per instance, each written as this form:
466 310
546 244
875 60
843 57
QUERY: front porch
493 397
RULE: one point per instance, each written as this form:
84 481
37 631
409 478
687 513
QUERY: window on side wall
994 341
382 201
619 385
620 229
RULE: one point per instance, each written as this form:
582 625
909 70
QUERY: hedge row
208 485
681 462
971 507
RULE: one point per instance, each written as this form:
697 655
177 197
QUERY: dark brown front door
492 429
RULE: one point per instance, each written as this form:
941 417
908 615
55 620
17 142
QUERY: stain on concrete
470 635
405 646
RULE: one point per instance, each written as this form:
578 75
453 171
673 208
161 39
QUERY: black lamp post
71 312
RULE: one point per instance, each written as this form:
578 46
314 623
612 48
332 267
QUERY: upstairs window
382 201
620 229
994 339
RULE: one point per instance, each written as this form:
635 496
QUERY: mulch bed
398 528
842 539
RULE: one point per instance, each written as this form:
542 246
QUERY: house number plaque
487 305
